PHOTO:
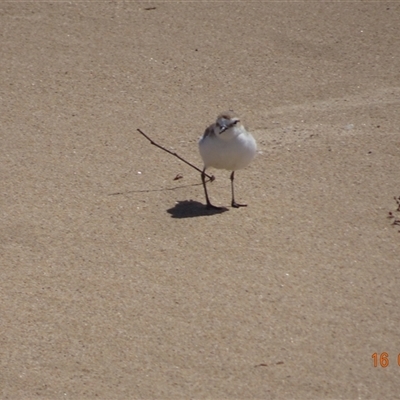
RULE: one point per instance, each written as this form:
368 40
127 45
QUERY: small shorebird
226 145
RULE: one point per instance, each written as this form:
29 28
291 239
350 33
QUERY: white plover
226 145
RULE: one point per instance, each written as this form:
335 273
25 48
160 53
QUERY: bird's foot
210 206
237 205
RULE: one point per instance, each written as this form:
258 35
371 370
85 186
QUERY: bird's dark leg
234 204
203 179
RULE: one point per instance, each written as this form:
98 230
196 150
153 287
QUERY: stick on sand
176 155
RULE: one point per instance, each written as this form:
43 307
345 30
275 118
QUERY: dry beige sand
116 283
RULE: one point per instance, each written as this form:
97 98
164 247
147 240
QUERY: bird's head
226 121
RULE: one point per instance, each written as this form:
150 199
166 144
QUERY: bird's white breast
233 149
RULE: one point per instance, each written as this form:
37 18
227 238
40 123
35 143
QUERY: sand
117 283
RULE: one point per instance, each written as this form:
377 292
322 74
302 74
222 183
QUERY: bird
226 144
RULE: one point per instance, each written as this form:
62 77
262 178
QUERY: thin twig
155 190
176 155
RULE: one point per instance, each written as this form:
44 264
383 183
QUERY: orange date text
382 360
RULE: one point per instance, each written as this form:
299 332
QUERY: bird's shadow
191 209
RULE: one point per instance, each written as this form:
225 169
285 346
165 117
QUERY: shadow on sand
191 209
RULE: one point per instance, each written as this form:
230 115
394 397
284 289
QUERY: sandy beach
117 283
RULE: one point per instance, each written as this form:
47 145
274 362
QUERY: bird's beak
227 126
223 128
